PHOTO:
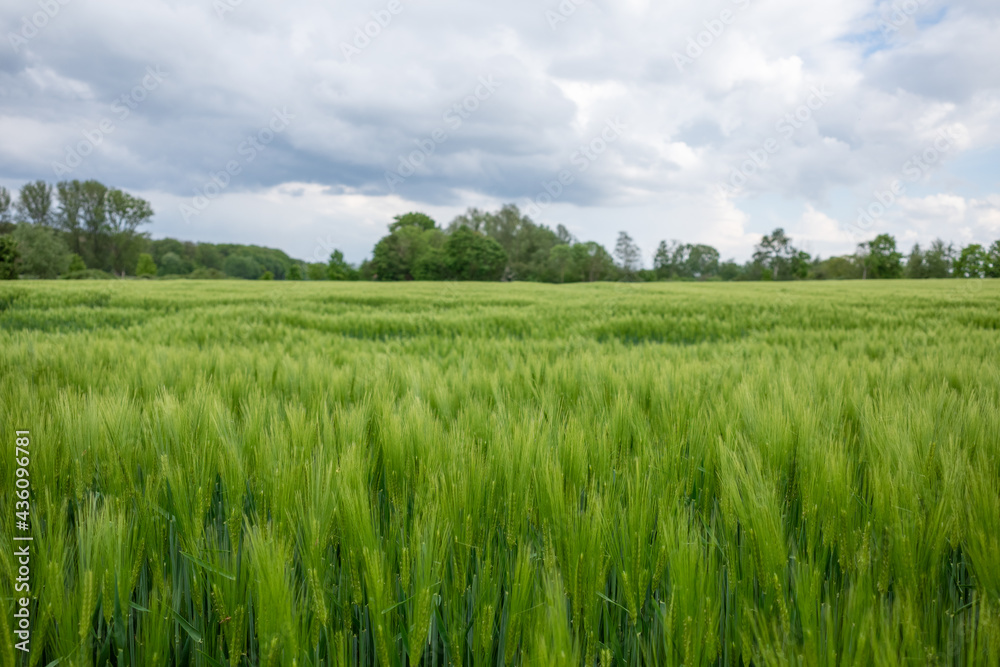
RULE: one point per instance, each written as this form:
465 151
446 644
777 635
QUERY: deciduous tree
34 204
993 261
43 252
124 215
939 259
628 254
146 266
972 262
778 258
880 258
470 255
5 208
339 269
10 258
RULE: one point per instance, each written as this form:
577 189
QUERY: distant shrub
43 252
146 266
88 274
207 274
10 258
267 275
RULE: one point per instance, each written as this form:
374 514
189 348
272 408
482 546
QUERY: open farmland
231 473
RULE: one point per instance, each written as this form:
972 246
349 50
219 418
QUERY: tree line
85 229
507 245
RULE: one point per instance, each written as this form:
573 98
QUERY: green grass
483 474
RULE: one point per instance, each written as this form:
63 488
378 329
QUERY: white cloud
688 131
934 212
985 214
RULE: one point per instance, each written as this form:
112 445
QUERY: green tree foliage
94 221
836 268
266 259
879 258
317 271
69 216
43 252
591 262
208 256
663 260
916 264
432 263
993 261
338 268
145 266
702 261
471 255
677 260
526 243
6 211
35 203
172 264
267 275
201 273
628 255
10 258
124 215
236 261
800 265
560 261
101 224
938 260
398 255
972 262
730 270
418 220
563 236
242 266
183 260
778 259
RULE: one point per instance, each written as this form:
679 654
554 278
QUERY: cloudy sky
307 125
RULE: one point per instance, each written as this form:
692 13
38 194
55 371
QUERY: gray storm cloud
394 87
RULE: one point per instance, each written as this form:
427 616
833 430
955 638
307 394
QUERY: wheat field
308 474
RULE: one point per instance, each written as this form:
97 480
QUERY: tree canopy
88 229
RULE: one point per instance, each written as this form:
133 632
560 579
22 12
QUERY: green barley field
245 473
